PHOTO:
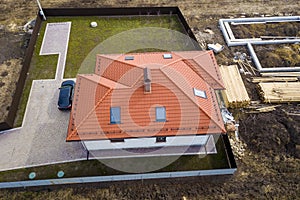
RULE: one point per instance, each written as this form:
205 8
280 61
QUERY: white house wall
146 142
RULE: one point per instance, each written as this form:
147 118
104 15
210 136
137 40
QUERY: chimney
147 80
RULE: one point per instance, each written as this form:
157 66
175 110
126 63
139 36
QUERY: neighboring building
146 100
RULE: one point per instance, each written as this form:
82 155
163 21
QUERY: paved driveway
41 140
42 137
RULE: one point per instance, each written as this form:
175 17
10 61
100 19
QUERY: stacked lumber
273 79
236 95
280 74
261 109
280 92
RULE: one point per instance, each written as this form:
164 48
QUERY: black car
66 92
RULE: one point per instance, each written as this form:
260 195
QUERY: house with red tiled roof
147 100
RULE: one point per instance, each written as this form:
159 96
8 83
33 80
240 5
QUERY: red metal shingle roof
119 83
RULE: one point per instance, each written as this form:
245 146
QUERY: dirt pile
272 134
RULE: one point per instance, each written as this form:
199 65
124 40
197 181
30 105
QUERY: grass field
97 168
84 39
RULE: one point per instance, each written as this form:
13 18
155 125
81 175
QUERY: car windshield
65 92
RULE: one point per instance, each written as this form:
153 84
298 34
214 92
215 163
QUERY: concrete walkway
41 139
56 40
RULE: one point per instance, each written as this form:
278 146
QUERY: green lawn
119 35
96 168
109 37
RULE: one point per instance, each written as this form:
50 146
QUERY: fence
8 123
21 82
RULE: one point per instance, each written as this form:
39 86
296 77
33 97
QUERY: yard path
42 138
56 40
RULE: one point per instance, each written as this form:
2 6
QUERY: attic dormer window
200 93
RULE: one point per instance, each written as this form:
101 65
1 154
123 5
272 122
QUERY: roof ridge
188 62
171 63
153 52
101 77
91 80
212 57
121 61
137 80
91 111
195 102
125 63
117 83
165 73
192 68
179 53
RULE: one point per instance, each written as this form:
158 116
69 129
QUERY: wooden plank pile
236 95
280 74
273 79
261 108
280 92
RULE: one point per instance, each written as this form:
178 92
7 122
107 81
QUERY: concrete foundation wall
147 142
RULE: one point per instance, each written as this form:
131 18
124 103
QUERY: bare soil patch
12 50
11 44
9 74
288 29
284 55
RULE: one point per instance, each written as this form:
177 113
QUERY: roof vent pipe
147 80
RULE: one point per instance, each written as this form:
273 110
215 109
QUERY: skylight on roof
200 93
160 114
129 57
115 115
167 56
